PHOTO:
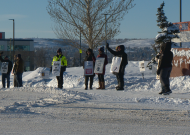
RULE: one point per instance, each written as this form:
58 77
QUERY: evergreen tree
169 31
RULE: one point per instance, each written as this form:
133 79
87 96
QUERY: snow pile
42 97
39 92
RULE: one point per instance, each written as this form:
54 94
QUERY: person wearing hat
6 75
120 52
89 57
60 57
101 75
18 70
165 67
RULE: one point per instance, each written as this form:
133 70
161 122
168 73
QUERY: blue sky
32 19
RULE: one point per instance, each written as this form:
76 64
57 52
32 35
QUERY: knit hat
101 49
89 50
59 50
19 56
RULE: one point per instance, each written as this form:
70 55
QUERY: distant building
25 47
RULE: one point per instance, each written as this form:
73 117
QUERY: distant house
25 47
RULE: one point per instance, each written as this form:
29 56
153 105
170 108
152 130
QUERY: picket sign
56 68
142 68
99 65
4 67
88 68
12 73
115 66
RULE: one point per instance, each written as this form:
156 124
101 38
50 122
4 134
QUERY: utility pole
180 18
13 37
80 46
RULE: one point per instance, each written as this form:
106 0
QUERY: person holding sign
101 64
18 70
88 66
120 52
62 59
8 69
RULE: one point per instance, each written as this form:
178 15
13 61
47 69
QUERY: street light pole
13 37
80 46
180 11
180 18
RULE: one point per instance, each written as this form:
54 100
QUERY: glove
107 45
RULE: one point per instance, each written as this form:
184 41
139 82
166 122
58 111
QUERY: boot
167 90
121 86
91 83
162 91
100 85
86 83
103 85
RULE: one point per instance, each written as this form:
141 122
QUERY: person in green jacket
60 57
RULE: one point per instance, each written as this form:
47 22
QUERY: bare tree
88 18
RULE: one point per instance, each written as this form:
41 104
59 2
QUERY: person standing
120 52
18 70
60 57
6 75
13 72
101 75
165 67
89 57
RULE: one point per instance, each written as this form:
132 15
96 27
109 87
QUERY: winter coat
10 64
90 58
19 66
105 62
63 61
122 54
166 57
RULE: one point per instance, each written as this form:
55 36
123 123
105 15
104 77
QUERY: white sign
56 68
4 67
141 66
99 65
88 68
115 66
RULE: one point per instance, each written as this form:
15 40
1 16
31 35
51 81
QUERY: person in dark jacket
6 75
165 67
120 52
89 57
60 57
101 75
18 70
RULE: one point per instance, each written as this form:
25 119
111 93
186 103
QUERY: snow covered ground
39 108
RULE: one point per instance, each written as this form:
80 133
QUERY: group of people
164 67
120 52
15 69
